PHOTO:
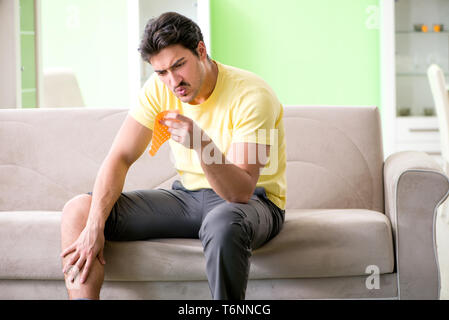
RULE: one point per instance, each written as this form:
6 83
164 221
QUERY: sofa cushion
313 243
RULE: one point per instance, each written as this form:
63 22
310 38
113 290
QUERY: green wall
318 52
90 37
28 53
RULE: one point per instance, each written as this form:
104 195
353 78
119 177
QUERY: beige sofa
356 226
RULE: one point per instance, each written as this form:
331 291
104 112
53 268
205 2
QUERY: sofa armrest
415 186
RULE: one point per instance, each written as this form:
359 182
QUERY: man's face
180 70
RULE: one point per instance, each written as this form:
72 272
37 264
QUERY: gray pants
228 231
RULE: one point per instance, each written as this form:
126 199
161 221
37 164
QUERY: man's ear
201 50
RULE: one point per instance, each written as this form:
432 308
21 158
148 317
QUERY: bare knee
76 208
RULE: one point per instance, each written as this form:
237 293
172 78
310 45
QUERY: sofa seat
313 243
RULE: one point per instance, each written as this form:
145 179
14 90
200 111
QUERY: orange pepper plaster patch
160 132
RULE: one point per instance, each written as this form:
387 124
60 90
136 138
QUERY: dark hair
168 29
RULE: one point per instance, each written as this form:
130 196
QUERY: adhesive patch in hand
160 132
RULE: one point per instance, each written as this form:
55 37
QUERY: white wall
10 81
388 77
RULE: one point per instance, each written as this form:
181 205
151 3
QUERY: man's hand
86 249
184 130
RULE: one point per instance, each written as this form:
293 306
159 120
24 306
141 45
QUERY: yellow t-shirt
241 108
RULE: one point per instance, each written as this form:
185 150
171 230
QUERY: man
222 118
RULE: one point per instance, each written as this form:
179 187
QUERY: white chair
441 99
61 89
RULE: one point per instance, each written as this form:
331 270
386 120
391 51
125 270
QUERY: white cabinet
419 134
406 53
422 39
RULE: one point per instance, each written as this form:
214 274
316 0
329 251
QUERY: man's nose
175 79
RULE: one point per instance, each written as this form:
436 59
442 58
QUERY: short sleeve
148 105
255 118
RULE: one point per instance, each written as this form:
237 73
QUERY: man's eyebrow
174 64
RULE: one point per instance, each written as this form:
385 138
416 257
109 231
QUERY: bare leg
74 217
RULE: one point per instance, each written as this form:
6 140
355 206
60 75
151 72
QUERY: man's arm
233 180
129 144
234 177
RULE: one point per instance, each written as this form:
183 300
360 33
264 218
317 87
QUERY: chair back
61 89
441 99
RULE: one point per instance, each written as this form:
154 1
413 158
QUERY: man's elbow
239 198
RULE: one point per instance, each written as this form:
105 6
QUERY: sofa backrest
334 157
47 156
50 155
